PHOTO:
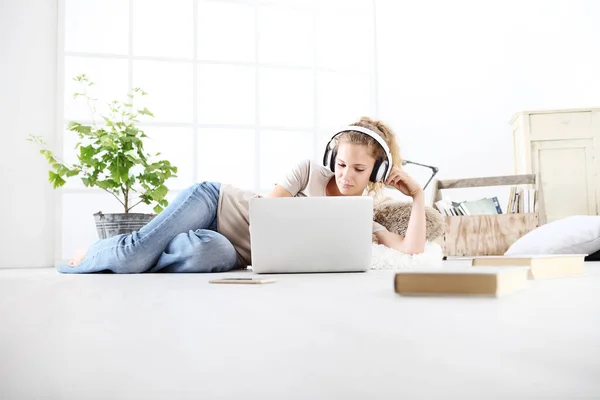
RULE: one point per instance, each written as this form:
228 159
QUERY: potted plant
111 156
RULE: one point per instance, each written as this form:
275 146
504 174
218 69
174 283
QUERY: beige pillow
395 214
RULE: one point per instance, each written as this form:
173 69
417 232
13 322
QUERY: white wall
27 105
452 74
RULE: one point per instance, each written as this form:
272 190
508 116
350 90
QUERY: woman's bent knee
213 252
202 250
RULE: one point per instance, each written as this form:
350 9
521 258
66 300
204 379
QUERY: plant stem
116 197
126 194
135 204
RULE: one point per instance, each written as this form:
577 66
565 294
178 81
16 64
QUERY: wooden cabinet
563 147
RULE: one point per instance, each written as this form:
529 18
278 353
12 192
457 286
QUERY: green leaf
72 172
145 111
55 179
108 121
60 169
36 139
158 209
115 171
77 127
49 157
86 154
159 193
107 184
108 142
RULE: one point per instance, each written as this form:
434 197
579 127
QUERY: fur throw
394 215
389 259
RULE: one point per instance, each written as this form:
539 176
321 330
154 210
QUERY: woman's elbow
413 249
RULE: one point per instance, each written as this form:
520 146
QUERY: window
240 90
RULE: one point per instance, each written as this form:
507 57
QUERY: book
491 281
486 206
540 266
521 200
509 207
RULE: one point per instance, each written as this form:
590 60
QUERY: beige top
305 180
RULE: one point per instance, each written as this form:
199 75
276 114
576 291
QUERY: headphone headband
372 134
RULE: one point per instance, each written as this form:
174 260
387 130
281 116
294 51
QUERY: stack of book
488 275
521 200
487 206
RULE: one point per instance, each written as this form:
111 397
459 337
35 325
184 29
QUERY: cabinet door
568 176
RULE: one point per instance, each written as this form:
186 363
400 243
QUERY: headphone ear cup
383 169
376 172
326 156
332 160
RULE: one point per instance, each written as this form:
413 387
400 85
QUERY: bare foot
78 257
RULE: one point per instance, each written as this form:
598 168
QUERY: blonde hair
375 150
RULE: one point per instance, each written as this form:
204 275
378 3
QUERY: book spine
497 204
521 201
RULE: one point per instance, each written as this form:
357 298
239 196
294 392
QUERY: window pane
78 209
164 29
175 145
341 44
227 156
86 25
286 36
175 36
109 76
343 98
280 151
170 90
225 31
286 98
226 94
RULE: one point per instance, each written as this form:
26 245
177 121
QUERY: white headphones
382 167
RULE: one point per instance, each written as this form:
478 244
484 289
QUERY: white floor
346 336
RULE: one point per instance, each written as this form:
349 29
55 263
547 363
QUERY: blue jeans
182 238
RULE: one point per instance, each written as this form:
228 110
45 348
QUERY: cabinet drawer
571 125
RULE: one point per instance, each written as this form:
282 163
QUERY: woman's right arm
278 191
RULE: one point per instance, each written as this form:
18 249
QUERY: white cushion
579 234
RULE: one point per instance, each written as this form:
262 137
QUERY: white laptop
311 234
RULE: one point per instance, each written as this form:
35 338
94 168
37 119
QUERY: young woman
206 228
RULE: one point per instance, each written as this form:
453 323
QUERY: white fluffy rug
386 258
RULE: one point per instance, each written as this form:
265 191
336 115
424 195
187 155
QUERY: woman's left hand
403 182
